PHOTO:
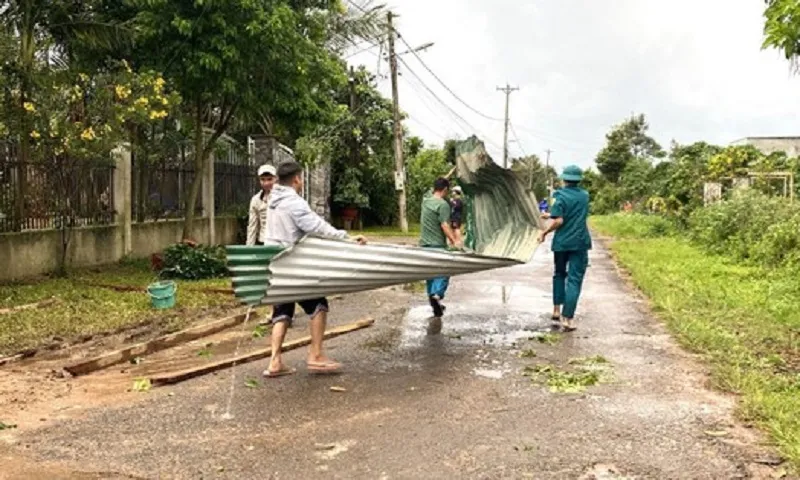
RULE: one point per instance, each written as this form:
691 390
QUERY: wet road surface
454 405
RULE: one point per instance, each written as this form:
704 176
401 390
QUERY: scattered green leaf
6 426
527 353
141 385
260 331
251 383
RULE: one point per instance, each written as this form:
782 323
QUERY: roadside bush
194 262
635 225
749 226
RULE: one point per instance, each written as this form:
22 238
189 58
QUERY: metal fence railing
159 189
54 194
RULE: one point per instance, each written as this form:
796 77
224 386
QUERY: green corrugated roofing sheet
502 215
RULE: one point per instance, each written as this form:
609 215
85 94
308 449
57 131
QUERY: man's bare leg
278 335
316 359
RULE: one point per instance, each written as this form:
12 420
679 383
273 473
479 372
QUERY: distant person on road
456 207
257 221
289 219
571 245
435 231
543 205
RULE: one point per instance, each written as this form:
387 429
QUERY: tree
782 28
269 60
359 147
423 169
41 28
534 174
626 142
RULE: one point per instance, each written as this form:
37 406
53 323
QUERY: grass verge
86 310
744 320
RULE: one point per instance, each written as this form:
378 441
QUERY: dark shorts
285 312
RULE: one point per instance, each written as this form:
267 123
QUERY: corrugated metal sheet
502 215
318 267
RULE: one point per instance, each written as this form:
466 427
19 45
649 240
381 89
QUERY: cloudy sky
694 67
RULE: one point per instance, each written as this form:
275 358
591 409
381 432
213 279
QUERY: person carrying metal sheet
571 244
290 218
257 223
435 231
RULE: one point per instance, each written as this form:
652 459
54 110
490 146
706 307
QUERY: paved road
452 406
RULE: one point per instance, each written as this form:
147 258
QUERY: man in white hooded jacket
289 219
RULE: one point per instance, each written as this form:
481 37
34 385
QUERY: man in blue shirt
571 244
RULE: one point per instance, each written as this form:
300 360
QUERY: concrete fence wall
36 252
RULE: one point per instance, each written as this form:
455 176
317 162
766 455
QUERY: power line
445 85
427 102
486 137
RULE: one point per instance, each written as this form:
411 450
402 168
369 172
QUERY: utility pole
507 90
399 165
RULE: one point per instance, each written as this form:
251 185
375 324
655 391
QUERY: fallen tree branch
180 376
29 306
166 341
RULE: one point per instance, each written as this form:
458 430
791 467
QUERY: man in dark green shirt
435 232
571 244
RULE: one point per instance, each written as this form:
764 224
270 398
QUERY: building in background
767 145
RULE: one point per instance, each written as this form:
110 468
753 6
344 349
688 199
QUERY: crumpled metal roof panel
502 215
318 267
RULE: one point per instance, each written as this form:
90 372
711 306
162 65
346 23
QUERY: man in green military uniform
571 244
435 232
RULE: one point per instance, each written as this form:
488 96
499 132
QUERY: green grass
86 310
744 320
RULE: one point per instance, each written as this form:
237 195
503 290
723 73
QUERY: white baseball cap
267 170
457 189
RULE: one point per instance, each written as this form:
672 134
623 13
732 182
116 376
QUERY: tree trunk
197 181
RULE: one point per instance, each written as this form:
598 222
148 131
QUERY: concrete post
208 200
122 194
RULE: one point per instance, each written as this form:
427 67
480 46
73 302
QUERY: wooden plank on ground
18 356
166 341
29 306
180 376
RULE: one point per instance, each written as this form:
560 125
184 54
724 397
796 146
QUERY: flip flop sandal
279 373
568 327
324 367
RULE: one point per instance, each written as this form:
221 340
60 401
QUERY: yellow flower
157 114
88 134
164 101
107 128
28 106
84 78
127 66
142 102
35 135
122 91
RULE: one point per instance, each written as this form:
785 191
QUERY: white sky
694 67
